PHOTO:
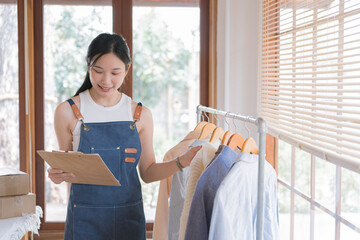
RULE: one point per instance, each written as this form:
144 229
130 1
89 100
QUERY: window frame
22 89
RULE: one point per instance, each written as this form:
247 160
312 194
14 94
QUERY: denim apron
108 212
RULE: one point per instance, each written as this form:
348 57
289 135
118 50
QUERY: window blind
309 76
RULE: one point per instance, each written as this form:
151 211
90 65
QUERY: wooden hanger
218 133
206 130
200 126
226 137
250 146
236 140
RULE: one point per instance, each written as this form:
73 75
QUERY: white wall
237 58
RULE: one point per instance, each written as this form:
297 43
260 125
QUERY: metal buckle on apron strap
85 127
132 125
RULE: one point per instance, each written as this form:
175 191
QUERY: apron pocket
122 222
112 159
90 222
130 219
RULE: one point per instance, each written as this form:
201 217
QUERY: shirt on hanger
201 160
198 224
177 197
162 207
235 207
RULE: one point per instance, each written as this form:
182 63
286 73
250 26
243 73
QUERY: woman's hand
58 176
188 156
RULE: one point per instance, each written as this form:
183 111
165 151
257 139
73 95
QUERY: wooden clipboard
87 168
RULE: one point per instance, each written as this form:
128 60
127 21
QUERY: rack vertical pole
261 124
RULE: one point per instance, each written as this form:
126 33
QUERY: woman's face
107 74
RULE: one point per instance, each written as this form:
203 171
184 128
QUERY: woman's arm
151 171
63 118
64 121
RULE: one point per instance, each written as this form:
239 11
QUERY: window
310 87
9 86
68 30
309 83
317 199
166 77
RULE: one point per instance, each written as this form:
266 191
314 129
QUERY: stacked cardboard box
15 198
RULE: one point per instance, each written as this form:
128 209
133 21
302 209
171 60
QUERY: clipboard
87 168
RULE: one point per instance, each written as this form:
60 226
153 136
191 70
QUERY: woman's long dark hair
103 44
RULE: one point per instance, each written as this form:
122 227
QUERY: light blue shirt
235 207
198 224
177 197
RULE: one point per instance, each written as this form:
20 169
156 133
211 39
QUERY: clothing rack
262 129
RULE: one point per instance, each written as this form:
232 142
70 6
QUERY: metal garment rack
262 129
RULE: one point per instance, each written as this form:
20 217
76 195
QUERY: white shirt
235 206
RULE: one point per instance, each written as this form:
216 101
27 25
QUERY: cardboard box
15 206
13 182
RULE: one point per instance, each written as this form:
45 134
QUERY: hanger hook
207 117
225 119
215 116
233 120
248 130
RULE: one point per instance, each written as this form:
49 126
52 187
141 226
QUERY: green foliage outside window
158 61
73 36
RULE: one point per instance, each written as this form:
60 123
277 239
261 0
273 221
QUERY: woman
101 119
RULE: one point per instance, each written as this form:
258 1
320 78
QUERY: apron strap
77 113
75 109
137 113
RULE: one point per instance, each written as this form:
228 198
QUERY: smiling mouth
105 89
